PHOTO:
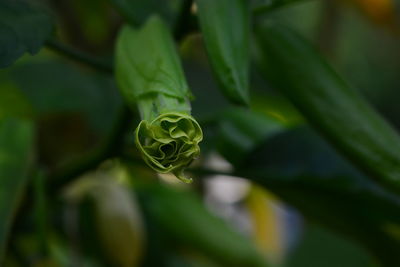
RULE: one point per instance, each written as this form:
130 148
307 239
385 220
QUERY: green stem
79 56
40 211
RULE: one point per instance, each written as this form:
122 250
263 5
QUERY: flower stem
79 56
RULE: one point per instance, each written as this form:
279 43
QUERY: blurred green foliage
74 190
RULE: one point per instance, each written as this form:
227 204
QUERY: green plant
115 95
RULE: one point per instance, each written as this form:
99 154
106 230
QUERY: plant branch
79 56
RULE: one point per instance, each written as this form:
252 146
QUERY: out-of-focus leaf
285 153
117 218
137 12
276 106
241 130
340 113
12 101
320 247
95 20
16 154
379 11
303 170
23 28
123 241
375 74
188 222
55 87
76 109
225 25
200 79
16 144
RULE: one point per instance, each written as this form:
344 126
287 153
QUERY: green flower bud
150 76
170 142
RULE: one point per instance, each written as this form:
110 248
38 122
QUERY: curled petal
169 143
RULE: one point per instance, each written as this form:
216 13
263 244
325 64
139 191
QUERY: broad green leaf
16 144
69 104
23 28
184 217
320 247
275 106
225 25
292 65
16 154
55 87
240 131
304 171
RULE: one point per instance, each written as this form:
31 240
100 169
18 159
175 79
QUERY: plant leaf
23 28
16 154
320 247
185 218
303 170
241 130
57 87
116 216
225 25
292 65
16 144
